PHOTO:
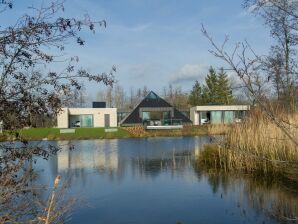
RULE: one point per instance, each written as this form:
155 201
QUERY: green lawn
32 134
80 133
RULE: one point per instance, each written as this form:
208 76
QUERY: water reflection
102 156
260 193
147 157
157 181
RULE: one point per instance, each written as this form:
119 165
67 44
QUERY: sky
155 42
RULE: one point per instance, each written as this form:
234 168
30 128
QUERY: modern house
155 113
218 114
98 116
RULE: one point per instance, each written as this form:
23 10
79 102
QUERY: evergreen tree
195 96
216 91
224 91
211 90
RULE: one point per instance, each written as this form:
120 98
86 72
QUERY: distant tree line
215 89
117 97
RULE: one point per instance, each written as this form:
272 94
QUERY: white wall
98 116
220 107
194 116
62 118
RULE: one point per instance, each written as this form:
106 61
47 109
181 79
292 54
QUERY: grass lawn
80 133
32 134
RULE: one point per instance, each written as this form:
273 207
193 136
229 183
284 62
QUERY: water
156 180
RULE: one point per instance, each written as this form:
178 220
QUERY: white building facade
218 114
87 117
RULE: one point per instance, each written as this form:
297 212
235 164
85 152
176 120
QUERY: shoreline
50 134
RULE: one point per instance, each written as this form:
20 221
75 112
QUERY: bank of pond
32 134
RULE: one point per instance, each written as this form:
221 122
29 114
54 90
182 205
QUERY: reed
256 145
218 129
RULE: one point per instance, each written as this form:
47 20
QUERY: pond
156 180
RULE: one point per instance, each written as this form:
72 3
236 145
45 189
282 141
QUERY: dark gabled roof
154 101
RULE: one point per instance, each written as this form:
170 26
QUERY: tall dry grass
259 139
257 145
218 129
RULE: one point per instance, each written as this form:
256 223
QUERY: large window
156 115
145 116
228 117
216 117
239 115
166 115
84 121
205 117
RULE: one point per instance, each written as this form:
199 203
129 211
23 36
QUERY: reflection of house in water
116 158
91 155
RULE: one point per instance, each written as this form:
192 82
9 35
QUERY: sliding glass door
228 117
84 121
216 117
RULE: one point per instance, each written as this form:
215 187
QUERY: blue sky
157 42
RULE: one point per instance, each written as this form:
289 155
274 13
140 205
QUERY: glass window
152 95
74 121
77 121
239 115
87 121
216 117
145 116
228 117
156 115
203 115
166 115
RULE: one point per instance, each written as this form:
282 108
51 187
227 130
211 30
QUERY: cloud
189 73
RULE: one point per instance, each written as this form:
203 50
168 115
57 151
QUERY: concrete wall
98 116
221 108
62 118
194 116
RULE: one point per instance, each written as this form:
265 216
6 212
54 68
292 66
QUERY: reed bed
136 131
218 129
257 144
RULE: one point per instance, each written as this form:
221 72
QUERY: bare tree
76 98
139 94
281 18
132 98
26 89
247 65
119 96
145 91
109 96
175 96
